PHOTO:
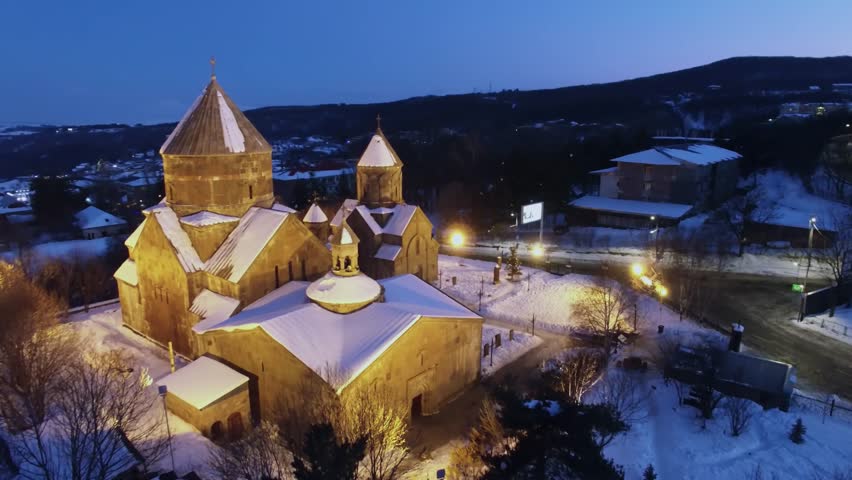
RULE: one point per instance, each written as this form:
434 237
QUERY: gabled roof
344 343
205 218
696 154
632 207
131 240
368 218
282 208
203 381
344 235
184 251
127 273
244 243
379 153
345 209
388 252
213 307
315 215
399 220
93 217
214 125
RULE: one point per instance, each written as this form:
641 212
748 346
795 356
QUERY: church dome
344 294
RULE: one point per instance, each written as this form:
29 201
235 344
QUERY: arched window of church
337 264
216 431
251 192
277 280
347 264
171 193
289 271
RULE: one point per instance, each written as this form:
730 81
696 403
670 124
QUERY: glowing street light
662 291
637 269
646 281
537 250
457 239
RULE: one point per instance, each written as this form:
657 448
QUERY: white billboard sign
531 213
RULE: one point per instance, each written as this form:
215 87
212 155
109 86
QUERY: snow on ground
101 330
546 296
508 351
795 205
96 247
671 438
839 326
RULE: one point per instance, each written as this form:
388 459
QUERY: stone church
266 302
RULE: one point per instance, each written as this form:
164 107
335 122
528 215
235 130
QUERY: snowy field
671 438
509 351
839 326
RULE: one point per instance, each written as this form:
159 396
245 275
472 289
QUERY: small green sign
798 287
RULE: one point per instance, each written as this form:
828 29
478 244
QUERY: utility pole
163 390
804 303
533 325
481 288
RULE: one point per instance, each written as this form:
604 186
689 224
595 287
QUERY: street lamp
457 239
537 250
804 302
162 390
637 269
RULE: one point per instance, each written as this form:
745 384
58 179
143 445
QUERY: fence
823 299
832 406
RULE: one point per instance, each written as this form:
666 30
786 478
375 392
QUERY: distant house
664 182
286 182
96 223
841 87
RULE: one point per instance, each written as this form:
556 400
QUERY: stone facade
227 418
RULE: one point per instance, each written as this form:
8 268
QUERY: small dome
344 294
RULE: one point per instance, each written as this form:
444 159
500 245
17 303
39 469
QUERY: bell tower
379 173
344 252
215 159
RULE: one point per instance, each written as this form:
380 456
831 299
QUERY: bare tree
373 415
622 390
90 278
34 352
837 252
667 348
742 212
739 413
260 455
604 309
689 267
466 462
575 375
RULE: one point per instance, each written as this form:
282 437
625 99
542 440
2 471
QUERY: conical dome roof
315 215
214 125
379 153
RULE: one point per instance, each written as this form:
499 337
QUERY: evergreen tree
513 263
797 434
54 203
324 458
649 473
554 439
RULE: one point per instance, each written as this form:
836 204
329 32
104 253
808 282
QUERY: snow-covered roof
402 215
652 156
131 240
696 154
632 207
170 224
371 222
213 307
345 209
379 153
282 208
343 290
93 217
322 339
214 125
388 252
315 215
205 218
127 273
203 381
605 170
701 154
244 243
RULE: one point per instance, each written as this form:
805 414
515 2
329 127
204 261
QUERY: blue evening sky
86 61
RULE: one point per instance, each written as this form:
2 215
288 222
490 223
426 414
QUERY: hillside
639 104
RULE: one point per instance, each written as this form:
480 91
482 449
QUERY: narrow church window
277 281
304 274
216 430
251 192
262 369
171 193
289 271
347 264
337 264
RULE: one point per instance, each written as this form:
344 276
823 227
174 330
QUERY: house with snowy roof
666 182
96 223
270 302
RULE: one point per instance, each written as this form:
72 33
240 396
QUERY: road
765 305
